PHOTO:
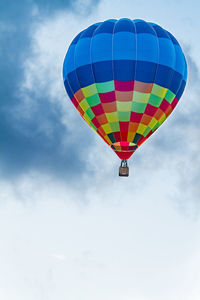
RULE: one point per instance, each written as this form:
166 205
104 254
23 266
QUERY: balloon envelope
124 77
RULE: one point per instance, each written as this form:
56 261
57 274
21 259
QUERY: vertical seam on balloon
178 72
68 50
174 60
113 75
184 75
75 59
92 70
68 79
155 70
93 73
172 76
76 76
135 53
134 72
136 50
146 104
157 40
157 123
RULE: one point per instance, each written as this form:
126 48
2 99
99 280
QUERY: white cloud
110 241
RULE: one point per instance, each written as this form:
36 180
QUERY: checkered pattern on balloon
125 78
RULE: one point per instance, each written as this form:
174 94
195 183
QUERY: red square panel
107 97
124 126
124 135
95 122
150 110
141 140
75 102
97 110
124 85
174 102
164 105
117 136
136 117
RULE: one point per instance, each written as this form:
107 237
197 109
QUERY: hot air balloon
124 77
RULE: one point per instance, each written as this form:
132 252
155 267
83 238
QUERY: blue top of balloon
125 50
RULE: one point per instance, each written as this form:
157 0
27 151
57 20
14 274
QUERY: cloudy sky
70 228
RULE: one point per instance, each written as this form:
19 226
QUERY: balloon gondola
124 77
124 169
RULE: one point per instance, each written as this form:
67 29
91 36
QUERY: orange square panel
109 107
158 114
102 119
79 95
146 119
143 87
101 131
168 111
133 126
80 110
124 96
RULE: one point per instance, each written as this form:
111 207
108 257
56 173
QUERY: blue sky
70 228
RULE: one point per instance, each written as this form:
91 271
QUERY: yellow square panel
140 97
162 119
108 140
159 91
106 128
141 128
84 105
124 106
89 90
152 123
131 136
86 118
112 117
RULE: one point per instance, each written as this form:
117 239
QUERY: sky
70 228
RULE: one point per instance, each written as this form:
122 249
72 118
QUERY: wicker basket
124 171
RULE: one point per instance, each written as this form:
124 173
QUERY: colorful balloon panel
125 78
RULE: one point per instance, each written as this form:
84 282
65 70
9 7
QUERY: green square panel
84 105
105 87
147 130
90 113
89 90
155 127
124 105
155 100
114 126
158 90
138 107
169 96
140 97
124 116
93 100
92 125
